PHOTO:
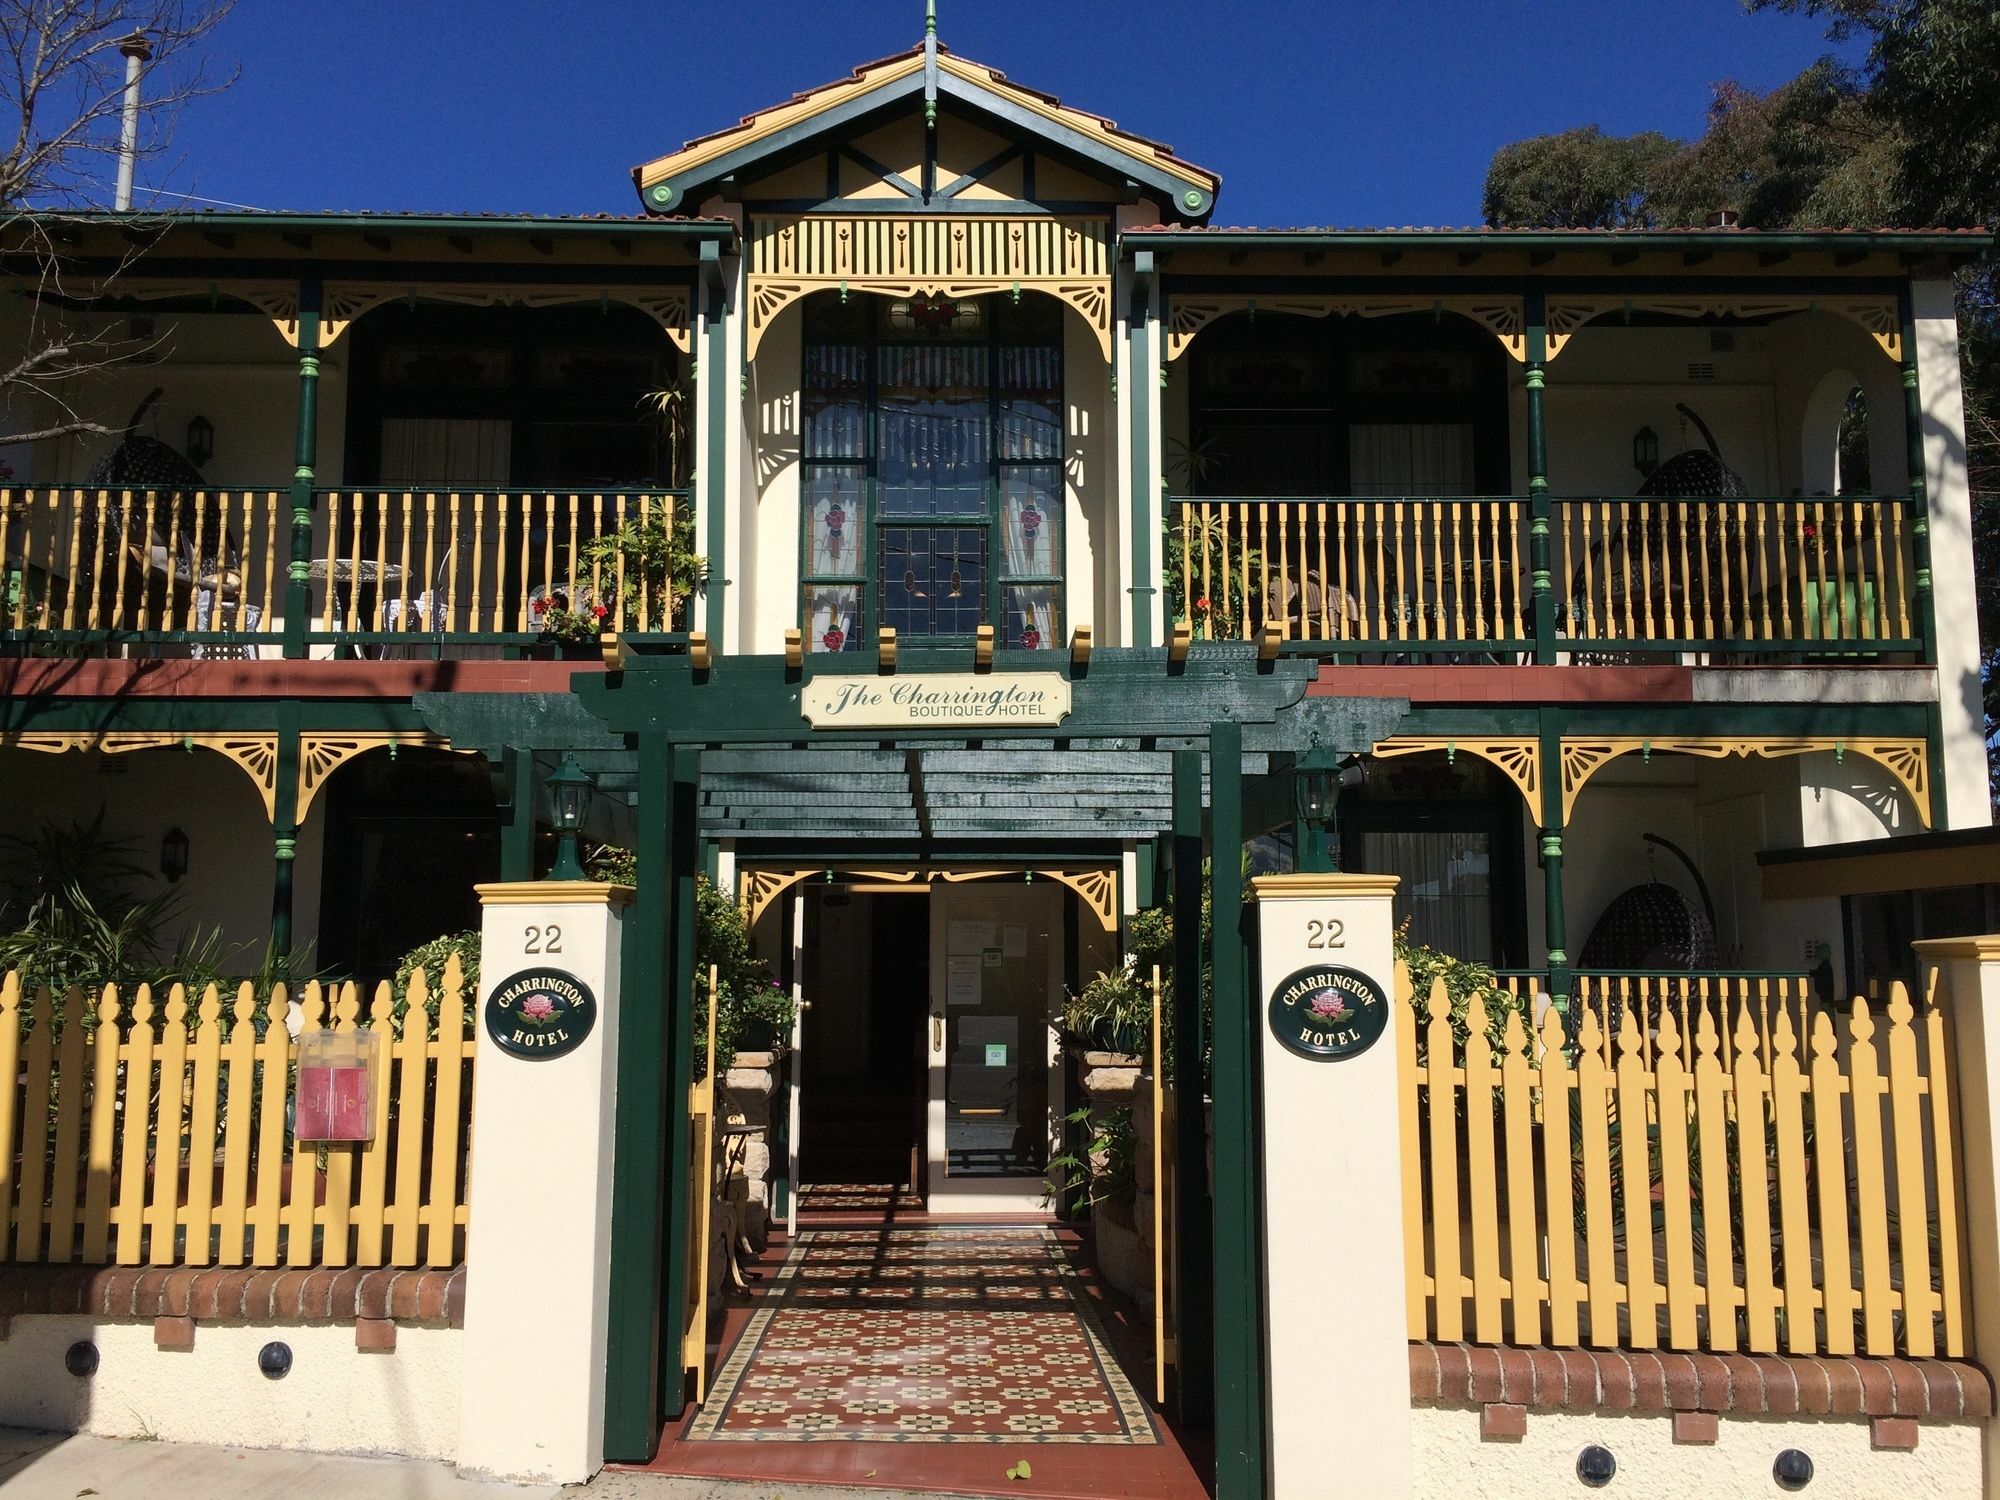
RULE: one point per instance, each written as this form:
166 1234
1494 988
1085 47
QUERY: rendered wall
1610 381
144 793
336 1399
234 370
1721 813
1453 1461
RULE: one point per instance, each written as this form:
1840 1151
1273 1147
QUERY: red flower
1031 638
540 606
834 639
1202 604
600 611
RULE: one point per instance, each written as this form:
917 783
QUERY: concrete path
50 1466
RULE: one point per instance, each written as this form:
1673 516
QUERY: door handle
937 1033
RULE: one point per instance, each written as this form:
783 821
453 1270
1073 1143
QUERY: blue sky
1315 111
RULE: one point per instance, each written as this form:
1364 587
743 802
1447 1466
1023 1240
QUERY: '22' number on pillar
1329 932
543 939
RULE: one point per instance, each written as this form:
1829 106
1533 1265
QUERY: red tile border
240 1293
1741 1384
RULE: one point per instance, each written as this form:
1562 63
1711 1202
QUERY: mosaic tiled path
924 1336
932 1357
878 1199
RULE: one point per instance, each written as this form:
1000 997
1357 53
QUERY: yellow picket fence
1800 1185
159 1132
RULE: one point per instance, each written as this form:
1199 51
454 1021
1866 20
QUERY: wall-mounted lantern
174 855
1645 450
569 793
200 441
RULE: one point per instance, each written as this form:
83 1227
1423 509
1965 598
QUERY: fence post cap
1981 949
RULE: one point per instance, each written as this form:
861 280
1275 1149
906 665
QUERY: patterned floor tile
936 1335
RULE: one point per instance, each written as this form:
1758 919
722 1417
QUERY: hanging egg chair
181 511
1695 471
1654 927
1643 569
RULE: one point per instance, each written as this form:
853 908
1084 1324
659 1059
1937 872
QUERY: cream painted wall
1721 813
236 371
1939 384
1610 381
1453 1461
773 418
1816 359
1088 488
334 1400
146 792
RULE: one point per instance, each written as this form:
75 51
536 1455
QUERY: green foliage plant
643 559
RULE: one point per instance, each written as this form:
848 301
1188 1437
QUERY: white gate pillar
538 1240
1338 1378
1969 968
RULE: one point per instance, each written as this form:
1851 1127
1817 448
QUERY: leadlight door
932 469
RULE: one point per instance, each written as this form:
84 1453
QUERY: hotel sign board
922 700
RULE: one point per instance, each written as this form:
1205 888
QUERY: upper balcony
359 438
1718 480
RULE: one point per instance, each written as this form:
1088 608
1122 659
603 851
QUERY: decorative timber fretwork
1502 316
321 753
255 753
1098 887
343 302
894 256
1906 759
669 306
757 887
1877 315
1519 759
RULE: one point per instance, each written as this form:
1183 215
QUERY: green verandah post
1239 1292
1540 509
298 567
1553 927
284 832
1195 1259
641 1177
517 828
678 1003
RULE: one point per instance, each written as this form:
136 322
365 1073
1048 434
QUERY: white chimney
136 50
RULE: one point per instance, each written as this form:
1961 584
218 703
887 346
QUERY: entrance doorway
861 1059
927 1061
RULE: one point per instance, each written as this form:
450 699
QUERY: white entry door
995 1107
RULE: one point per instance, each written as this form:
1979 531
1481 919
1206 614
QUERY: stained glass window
931 492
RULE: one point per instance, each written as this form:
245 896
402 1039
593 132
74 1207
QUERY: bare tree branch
62 71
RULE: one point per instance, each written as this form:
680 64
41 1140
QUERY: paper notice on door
1014 940
996 1054
961 979
991 958
968 937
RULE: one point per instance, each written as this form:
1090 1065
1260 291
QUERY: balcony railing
1428 576
84 567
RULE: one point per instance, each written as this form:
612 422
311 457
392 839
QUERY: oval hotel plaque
1328 1012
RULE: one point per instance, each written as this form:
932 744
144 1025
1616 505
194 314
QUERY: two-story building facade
919 516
